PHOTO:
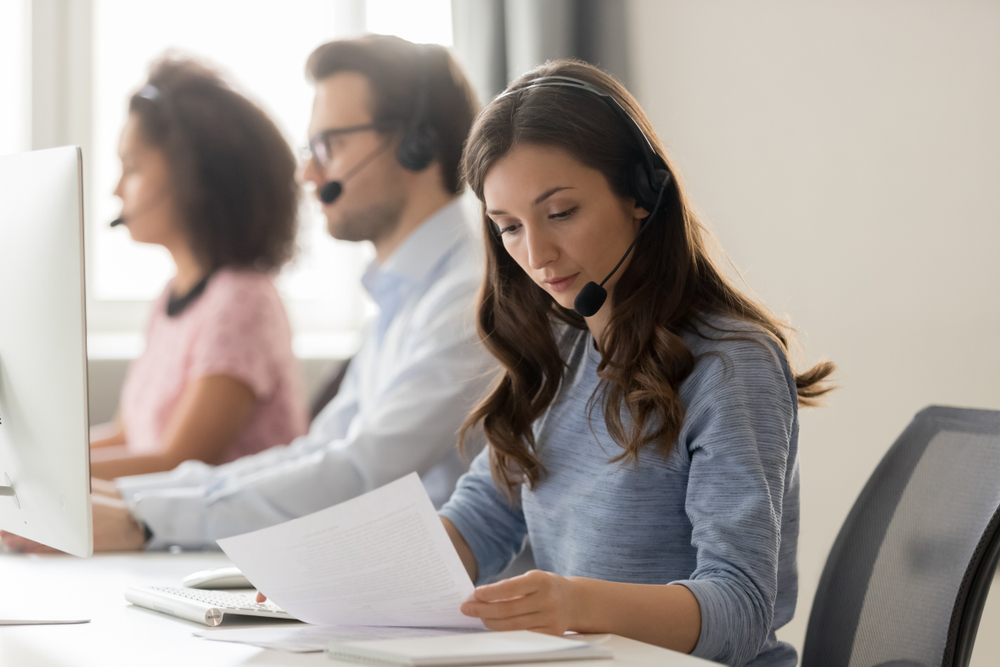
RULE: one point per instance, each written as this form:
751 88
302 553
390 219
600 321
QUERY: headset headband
421 142
653 161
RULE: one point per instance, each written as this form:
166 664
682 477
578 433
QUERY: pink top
238 328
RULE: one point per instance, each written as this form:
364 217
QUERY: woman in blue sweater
646 443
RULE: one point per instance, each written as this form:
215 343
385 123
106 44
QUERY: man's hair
232 171
392 67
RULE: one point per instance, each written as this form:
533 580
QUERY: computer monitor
44 439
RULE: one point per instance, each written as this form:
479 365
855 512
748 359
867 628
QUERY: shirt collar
419 253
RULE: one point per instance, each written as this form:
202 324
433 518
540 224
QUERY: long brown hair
671 285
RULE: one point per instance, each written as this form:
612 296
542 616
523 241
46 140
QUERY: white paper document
381 559
315 638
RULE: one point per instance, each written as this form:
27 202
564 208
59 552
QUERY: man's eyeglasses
319 144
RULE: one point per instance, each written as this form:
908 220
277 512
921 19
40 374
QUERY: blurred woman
646 443
208 176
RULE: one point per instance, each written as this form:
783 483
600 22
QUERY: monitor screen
44 442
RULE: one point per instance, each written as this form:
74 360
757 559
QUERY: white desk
121 634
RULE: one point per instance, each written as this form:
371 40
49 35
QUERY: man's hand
115 529
535 600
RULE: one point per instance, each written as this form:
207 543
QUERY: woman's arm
110 434
667 616
463 549
211 412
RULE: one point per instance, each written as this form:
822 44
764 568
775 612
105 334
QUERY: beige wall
105 378
848 156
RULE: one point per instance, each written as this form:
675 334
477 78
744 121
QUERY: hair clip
151 93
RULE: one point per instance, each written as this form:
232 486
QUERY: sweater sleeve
493 526
738 431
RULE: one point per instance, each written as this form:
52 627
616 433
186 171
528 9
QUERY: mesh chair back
905 582
329 390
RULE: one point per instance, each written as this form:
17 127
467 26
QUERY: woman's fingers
535 600
24 545
515 587
535 622
261 597
502 609
103 487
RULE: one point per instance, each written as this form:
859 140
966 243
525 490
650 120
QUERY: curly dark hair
232 171
670 286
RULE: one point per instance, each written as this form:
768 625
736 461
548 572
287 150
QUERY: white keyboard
206 607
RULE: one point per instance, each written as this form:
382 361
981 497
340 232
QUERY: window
14 90
262 47
427 21
263 51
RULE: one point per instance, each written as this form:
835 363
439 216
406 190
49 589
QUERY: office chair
329 389
906 580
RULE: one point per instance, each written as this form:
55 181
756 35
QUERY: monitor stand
8 490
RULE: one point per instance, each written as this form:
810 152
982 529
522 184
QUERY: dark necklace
178 304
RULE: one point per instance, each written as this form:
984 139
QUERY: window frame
59 51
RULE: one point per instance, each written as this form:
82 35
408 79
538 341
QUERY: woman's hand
23 545
110 434
104 487
536 600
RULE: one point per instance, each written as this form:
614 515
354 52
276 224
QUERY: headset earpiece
647 185
420 143
661 177
418 147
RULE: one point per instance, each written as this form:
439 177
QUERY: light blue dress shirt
418 373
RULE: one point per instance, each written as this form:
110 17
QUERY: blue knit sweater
719 515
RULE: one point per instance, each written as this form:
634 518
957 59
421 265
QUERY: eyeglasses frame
321 139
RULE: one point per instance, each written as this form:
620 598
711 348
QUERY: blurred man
389 120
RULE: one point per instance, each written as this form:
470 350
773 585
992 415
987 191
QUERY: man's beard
371 224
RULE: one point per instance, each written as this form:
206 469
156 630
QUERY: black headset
421 141
649 178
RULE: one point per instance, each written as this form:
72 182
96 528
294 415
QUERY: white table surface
122 634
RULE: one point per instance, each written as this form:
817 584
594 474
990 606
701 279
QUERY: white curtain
498 40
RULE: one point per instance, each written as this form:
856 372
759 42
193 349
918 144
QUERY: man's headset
417 147
649 179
